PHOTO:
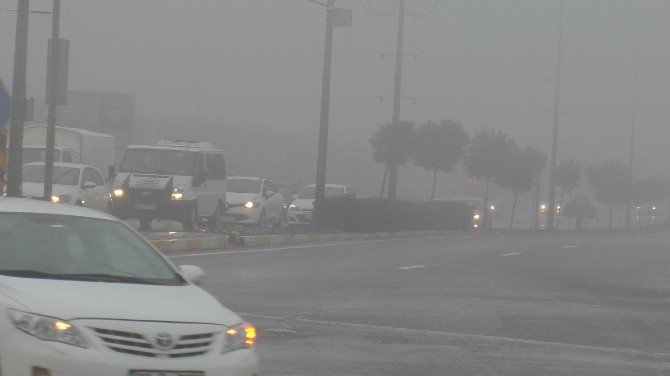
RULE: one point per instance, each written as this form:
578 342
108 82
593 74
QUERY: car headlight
293 207
63 199
242 336
177 193
475 217
47 328
118 193
250 205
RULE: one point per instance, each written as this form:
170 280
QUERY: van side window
66 157
216 166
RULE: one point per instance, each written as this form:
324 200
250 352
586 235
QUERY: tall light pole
551 210
18 100
335 18
631 151
55 92
395 120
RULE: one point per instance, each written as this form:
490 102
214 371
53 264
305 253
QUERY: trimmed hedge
365 215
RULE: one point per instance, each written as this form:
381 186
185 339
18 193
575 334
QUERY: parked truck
72 145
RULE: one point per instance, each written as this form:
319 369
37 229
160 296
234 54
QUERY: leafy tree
611 184
487 157
392 145
567 176
520 172
439 147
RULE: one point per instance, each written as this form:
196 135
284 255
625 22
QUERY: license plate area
147 207
166 373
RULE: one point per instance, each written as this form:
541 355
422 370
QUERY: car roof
59 164
330 185
245 177
25 205
182 148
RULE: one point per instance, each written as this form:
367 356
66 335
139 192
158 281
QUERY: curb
223 242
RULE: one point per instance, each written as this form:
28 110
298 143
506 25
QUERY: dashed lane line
412 267
511 254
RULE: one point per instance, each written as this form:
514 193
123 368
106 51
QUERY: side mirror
199 178
111 172
192 273
89 184
269 193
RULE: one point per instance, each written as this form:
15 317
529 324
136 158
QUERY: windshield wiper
78 277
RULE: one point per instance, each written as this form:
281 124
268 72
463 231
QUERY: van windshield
159 161
29 155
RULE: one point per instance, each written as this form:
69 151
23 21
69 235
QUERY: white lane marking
411 267
313 246
649 243
465 336
511 254
570 246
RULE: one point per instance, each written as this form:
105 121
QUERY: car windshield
159 161
62 175
243 185
309 192
29 155
78 248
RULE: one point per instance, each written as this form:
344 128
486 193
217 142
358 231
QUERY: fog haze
246 75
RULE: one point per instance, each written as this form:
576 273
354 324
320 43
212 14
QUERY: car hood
304 203
70 300
37 189
240 198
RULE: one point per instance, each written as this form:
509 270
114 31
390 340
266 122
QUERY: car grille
137 344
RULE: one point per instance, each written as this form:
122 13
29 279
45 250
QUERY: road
455 305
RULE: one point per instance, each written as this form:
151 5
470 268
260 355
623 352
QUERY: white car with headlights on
74 184
300 210
253 200
83 294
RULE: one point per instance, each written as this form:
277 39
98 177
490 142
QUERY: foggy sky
258 64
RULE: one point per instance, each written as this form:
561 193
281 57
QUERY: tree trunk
485 209
511 219
386 171
558 215
597 215
432 194
611 213
393 180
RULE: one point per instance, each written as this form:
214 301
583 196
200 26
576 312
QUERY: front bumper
240 214
299 217
19 353
128 207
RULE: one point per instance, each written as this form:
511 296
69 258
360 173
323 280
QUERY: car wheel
190 222
214 222
145 223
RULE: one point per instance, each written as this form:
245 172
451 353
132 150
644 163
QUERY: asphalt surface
456 305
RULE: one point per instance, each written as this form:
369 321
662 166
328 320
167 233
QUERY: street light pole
320 190
335 18
18 100
52 89
551 210
395 120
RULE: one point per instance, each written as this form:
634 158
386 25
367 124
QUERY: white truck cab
182 181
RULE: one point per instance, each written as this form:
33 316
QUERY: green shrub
381 215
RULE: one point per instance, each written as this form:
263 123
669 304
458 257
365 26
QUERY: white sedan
83 294
300 210
253 200
73 184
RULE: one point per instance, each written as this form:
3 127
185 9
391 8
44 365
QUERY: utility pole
55 92
335 18
18 100
631 155
393 167
551 210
